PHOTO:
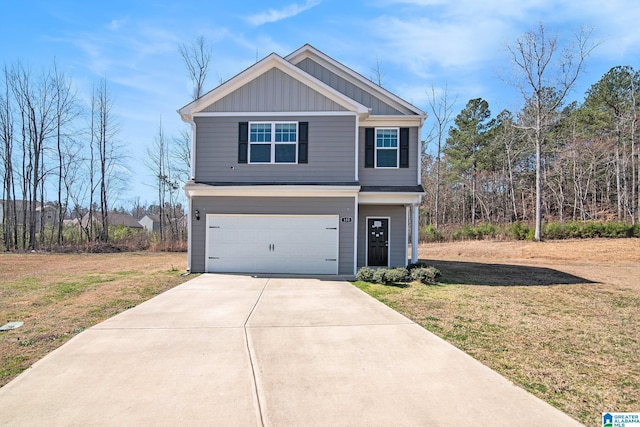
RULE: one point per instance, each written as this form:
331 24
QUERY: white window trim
273 142
376 148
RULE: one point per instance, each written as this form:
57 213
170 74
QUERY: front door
378 242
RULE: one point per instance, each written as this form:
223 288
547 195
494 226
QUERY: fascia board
273 60
372 198
394 120
204 190
308 51
225 88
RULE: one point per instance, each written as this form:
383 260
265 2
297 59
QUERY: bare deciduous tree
196 57
65 112
108 152
540 65
441 109
377 72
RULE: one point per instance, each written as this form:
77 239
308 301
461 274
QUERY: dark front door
378 242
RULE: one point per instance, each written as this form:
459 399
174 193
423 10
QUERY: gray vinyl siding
397 232
342 206
331 152
390 177
349 89
274 91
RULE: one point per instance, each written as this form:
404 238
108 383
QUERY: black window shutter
404 147
369 149
303 142
243 138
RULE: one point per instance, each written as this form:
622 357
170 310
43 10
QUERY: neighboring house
301 165
151 223
114 219
47 212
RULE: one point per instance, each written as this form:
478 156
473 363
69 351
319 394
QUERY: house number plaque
346 219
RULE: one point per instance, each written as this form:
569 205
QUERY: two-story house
301 165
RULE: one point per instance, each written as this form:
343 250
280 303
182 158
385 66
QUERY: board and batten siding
389 177
378 107
341 206
331 152
274 91
397 232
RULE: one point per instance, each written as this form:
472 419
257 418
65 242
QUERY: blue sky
417 43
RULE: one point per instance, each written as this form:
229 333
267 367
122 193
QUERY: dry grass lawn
57 296
561 319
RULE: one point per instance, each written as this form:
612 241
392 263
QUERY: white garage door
297 244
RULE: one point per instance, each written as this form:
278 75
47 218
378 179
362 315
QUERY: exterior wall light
197 214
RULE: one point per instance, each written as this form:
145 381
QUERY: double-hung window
387 148
273 142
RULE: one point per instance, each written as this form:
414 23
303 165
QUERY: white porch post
414 232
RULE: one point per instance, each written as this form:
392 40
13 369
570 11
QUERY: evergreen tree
467 144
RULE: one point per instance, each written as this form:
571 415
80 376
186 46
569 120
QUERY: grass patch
559 333
59 295
12 366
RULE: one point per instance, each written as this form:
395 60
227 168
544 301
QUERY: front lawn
570 339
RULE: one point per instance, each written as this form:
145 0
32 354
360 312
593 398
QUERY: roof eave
272 60
308 51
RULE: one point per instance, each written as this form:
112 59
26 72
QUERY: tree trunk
538 225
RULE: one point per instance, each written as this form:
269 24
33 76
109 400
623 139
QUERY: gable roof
308 51
114 218
271 61
289 66
152 217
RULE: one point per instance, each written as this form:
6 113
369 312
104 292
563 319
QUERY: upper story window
273 142
387 149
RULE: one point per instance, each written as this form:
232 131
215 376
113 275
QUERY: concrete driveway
239 350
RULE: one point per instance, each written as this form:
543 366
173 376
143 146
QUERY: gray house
301 165
47 212
151 223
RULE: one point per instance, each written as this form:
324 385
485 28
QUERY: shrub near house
417 272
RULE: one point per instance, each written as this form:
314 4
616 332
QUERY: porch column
414 232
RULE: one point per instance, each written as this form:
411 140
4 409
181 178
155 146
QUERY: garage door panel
302 244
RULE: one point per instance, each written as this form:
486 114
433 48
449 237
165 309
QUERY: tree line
589 163
549 161
61 157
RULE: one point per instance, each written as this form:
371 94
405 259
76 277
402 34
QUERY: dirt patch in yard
59 295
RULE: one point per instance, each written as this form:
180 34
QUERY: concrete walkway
238 350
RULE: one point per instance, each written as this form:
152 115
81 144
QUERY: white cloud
422 44
273 15
116 24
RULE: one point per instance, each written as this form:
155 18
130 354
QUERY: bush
365 274
380 276
618 229
415 265
479 232
430 234
484 231
395 275
587 230
554 231
426 275
520 231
